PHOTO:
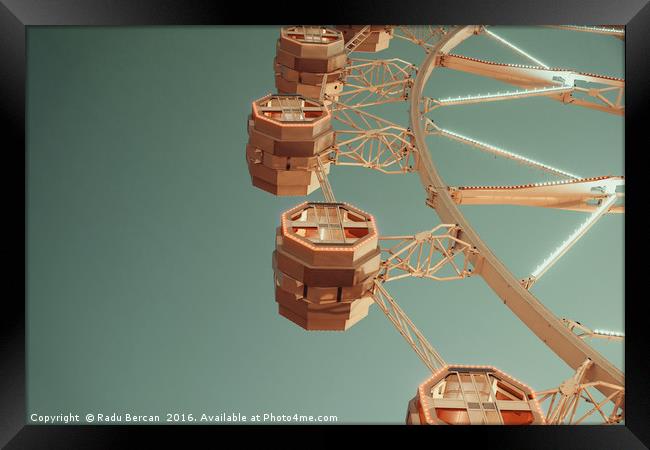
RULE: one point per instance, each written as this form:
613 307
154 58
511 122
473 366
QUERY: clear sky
149 252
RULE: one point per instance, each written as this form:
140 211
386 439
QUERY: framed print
232 221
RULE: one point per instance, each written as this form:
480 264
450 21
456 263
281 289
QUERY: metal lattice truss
565 400
426 36
429 356
426 255
369 82
367 140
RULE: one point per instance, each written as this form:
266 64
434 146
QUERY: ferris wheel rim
504 283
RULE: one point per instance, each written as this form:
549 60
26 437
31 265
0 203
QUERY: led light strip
607 180
574 237
510 155
603 30
503 95
609 333
515 48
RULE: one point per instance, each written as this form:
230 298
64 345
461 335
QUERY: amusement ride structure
330 264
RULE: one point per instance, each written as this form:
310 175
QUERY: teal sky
149 252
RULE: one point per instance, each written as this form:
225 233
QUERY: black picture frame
17 15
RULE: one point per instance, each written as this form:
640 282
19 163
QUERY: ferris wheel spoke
433 103
587 332
582 195
496 151
602 29
513 47
592 88
571 240
520 74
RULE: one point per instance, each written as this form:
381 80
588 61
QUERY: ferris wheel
330 263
